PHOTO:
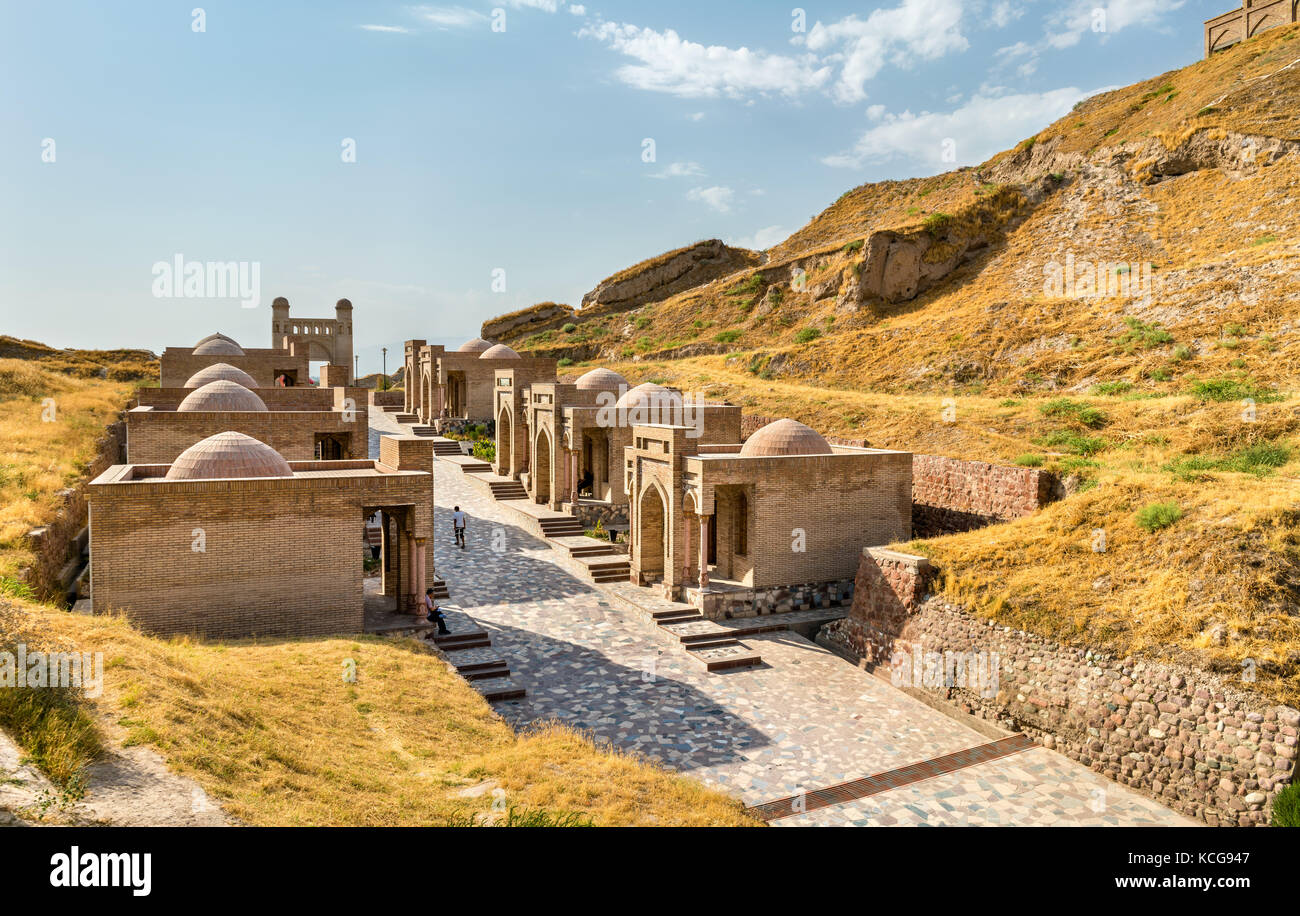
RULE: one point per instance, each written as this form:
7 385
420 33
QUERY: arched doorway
651 515
541 469
505 432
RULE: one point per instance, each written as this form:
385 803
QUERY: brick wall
157 437
280 557
177 364
752 423
950 495
1199 744
274 397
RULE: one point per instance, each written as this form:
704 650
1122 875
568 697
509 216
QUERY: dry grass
38 458
272 731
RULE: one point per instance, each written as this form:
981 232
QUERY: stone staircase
406 419
442 446
561 526
469 650
509 489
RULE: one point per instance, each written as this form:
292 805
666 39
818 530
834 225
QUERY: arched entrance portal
651 514
542 468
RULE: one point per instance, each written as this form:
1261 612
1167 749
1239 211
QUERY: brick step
439 589
483 664
708 640
407 418
501 491
602 576
499 688
561 528
392 409
663 618
596 550
453 641
495 672
446 447
426 432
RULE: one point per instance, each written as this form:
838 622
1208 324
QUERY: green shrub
485 450
1143 334
807 335
1182 353
564 361
1030 461
1073 442
569 328
936 223
726 337
1158 515
1232 389
1286 807
1085 414
1107 388
855 246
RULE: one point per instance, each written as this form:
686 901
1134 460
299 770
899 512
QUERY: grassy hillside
1186 399
272 731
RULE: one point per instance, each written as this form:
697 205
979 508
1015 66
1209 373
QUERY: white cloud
386 28
762 239
448 17
696 116
717 197
1066 28
549 6
577 9
681 170
668 63
983 126
914 30
1005 12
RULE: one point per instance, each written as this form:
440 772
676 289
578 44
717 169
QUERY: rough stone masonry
1196 743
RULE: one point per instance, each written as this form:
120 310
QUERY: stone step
725 657
497 689
611 575
499 671
663 618
595 550
454 641
446 447
393 409
439 589
407 418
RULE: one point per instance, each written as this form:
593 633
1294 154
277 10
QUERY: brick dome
227 455
500 351
785 437
477 345
221 395
601 380
649 395
217 345
221 372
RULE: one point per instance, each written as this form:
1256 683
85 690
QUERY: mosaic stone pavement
802 720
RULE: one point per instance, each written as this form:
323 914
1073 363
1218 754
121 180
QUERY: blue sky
480 149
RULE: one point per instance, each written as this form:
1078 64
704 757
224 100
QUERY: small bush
1143 334
1074 443
1085 414
1286 807
1158 515
936 223
1232 389
569 328
1108 388
564 361
807 335
485 450
726 337
1030 461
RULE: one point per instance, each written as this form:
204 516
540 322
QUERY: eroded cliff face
667 275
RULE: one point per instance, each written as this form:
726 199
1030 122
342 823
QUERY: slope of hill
1115 300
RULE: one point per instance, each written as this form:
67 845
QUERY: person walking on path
458 526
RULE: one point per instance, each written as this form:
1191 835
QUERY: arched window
742 524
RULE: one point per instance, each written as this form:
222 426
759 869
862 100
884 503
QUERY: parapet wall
950 495
1193 741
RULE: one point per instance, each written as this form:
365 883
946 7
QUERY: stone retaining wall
1197 743
759 602
950 495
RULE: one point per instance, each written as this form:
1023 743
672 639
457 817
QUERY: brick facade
950 495
177 364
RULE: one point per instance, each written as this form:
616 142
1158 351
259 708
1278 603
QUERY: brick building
179 364
231 540
566 441
446 386
1246 20
775 523
300 423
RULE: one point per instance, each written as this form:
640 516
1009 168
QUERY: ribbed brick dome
649 395
228 455
217 345
221 372
500 351
477 345
601 380
785 437
221 395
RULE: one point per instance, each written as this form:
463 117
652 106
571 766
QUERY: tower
343 338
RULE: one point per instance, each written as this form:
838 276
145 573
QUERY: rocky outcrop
665 276
533 320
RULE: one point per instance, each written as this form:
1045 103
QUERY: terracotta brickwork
275 398
1246 21
950 495
179 363
751 423
158 436
1197 743
253 557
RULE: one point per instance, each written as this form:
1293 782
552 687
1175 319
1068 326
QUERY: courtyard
802 721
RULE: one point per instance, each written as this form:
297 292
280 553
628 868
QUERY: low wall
950 495
393 397
759 602
1196 743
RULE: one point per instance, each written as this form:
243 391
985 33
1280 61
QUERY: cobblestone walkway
803 720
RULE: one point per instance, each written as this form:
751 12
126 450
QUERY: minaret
279 322
343 345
